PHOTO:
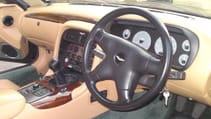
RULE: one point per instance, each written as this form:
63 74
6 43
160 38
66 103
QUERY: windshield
193 7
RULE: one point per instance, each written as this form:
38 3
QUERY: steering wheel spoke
102 72
126 84
124 96
104 38
154 66
147 81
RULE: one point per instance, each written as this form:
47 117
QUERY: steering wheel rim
96 36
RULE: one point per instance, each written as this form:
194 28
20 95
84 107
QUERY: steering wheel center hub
119 58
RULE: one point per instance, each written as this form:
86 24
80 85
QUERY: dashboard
185 43
190 39
61 31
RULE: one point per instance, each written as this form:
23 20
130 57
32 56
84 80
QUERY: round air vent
8 20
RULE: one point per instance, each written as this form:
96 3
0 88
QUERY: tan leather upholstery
11 102
7 84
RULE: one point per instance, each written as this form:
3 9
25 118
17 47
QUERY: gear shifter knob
58 78
54 65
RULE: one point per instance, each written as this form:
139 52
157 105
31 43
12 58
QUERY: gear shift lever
58 78
54 65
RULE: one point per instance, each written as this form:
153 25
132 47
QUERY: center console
56 90
71 53
35 92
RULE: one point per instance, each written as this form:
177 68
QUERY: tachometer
142 39
159 46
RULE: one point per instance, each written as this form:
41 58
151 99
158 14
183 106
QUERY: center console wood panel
58 97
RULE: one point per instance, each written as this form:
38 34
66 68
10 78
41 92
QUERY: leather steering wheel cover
166 59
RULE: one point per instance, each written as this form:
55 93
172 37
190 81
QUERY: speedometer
159 46
142 39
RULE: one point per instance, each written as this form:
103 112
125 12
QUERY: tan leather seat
7 84
11 102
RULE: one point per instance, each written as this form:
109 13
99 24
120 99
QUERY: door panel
7 51
16 53
10 33
12 43
18 69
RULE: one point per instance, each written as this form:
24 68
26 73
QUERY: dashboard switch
177 75
35 86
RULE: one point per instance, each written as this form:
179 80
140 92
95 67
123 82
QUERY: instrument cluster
184 42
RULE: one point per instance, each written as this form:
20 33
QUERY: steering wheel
126 63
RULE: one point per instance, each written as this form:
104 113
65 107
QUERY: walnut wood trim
54 103
58 18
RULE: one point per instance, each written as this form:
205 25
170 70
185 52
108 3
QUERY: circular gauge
126 33
142 39
186 45
174 44
159 46
183 59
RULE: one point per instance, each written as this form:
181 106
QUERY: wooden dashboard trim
58 18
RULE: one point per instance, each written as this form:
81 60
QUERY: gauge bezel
158 47
145 37
126 32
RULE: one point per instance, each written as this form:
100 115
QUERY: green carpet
155 110
21 76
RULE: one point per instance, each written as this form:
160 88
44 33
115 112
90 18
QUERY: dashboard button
79 58
70 47
73 56
66 60
76 49
36 86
